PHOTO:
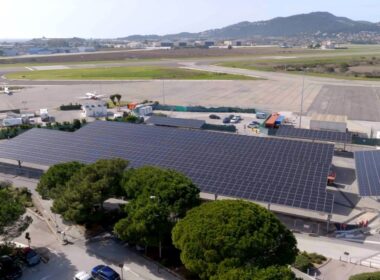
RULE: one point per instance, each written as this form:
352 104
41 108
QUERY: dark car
214 117
226 120
103 272
9 270
30 257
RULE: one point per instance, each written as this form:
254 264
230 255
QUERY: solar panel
269 170
368 172
321 135
175 122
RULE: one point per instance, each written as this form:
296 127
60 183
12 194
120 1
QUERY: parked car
261 115
252 125
236 119
214 117
29 256
103 272
83 275
9 270
226 120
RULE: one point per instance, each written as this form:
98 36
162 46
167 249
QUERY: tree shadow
113 251
53 265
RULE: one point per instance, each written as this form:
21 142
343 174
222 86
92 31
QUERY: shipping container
12 122
271 121
279 121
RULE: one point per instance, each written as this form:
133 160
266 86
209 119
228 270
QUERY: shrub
303 263
70 107
366 276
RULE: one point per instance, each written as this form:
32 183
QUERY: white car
83 275
236 119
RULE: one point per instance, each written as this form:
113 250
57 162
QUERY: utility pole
302 92
163 92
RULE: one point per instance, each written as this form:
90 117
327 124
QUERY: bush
227 128
201 109
366 276
303 263
70 107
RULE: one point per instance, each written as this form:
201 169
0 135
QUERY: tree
53 182
118 98
82 200
172 189
112 97
366 276
249 273
158 197
231 234
11 207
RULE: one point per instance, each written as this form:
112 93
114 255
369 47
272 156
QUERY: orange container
271 121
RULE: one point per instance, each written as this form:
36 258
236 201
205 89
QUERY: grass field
329 66
125 73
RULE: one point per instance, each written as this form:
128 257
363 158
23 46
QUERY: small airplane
92 96
6 90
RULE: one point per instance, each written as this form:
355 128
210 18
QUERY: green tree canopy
366 276
158 197
172 189
82 200
11 207
53 182
249 273
229 234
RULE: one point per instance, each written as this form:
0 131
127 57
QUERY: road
64 261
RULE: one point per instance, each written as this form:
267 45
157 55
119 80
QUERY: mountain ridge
296 25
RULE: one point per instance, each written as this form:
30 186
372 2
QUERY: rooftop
268 170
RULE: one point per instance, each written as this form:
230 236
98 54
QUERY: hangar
284 175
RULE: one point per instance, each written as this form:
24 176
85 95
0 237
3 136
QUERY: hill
304 24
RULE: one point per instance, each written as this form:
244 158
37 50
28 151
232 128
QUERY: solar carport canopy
175 122
312 134
278 171
368 172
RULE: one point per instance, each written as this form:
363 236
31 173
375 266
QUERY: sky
119 18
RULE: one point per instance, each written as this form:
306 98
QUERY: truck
271 121
44 114
12 122
279 121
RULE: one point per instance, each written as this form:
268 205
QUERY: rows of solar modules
320 135
368 172
278 171
175 122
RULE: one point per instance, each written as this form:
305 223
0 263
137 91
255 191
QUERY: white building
95 109
143 110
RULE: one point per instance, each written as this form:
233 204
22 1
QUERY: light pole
163 92
302 92
121 270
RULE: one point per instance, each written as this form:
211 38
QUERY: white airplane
92 96
6 90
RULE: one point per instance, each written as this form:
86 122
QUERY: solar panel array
321 135
368 172
175 122
278 171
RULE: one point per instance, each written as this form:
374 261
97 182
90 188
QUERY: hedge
201 109
366 276
70 107
227 128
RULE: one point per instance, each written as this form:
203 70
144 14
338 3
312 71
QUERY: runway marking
29 68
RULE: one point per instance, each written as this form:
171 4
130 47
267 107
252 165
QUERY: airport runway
360 100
